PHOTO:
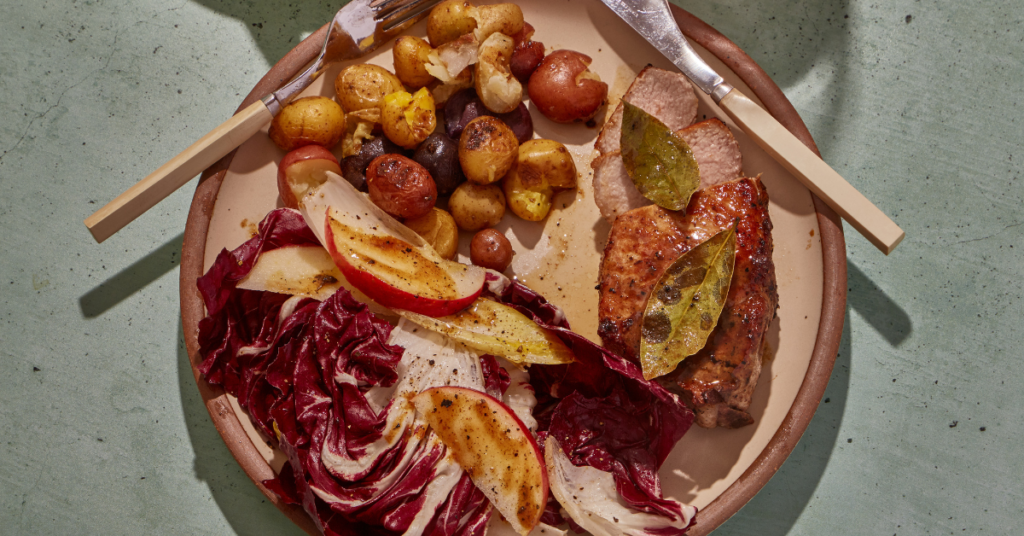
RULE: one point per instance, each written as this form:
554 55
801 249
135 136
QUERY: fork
356 30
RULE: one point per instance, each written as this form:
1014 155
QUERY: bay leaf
684 306
660 163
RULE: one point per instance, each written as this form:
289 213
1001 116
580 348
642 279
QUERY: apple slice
384 259
303 271
491 444
302 169
495 328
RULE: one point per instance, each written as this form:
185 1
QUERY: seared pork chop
718 381
714 148
664 94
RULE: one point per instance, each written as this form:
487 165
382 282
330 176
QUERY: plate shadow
243 506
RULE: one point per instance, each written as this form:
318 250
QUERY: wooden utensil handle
812 171
179 170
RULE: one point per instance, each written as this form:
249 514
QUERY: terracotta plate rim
819 369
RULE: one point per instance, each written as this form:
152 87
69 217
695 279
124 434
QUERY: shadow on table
277 27
243 506
776 508
132 279
789 39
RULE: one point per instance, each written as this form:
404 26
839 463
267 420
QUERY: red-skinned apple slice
303 169
383 258
491 444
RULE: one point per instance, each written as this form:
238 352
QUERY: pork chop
664 94
714 148
718 381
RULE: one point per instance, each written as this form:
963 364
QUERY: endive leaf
498 329
660 163
684 306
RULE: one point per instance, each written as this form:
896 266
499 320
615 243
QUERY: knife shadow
776 508
243 506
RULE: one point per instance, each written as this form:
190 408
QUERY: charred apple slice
491 444
383 258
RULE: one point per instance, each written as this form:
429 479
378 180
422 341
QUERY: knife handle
179 170
812 171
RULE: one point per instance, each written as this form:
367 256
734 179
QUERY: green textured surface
915 102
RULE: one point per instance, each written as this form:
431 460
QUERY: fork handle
812 171
178 171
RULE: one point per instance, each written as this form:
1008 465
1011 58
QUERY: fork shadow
132 279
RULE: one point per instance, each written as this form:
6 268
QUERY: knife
653 20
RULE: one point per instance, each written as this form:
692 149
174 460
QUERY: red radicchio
304 371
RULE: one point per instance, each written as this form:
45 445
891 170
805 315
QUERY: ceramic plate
717 470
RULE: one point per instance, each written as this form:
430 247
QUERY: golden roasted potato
487 149
530 202
408 119
449 20
412 54
363 87
499 90
476 206
308 121
495 18
548 161
437 228
564 89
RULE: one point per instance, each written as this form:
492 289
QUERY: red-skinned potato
400 186
564 89
490 249
302 169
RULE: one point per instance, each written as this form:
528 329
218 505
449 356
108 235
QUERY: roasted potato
476 206
499 90
546 161
308 121
363 87
353 168
542 167
411 56
438 228
490 249
497 18
530 202
439 154
400 186
564 89
408 119
487 149
449 20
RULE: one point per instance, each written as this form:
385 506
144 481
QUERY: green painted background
915 102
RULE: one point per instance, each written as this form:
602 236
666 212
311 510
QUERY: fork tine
404 14
384 7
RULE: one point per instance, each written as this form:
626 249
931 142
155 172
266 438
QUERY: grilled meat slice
714 148
718 381
664 94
